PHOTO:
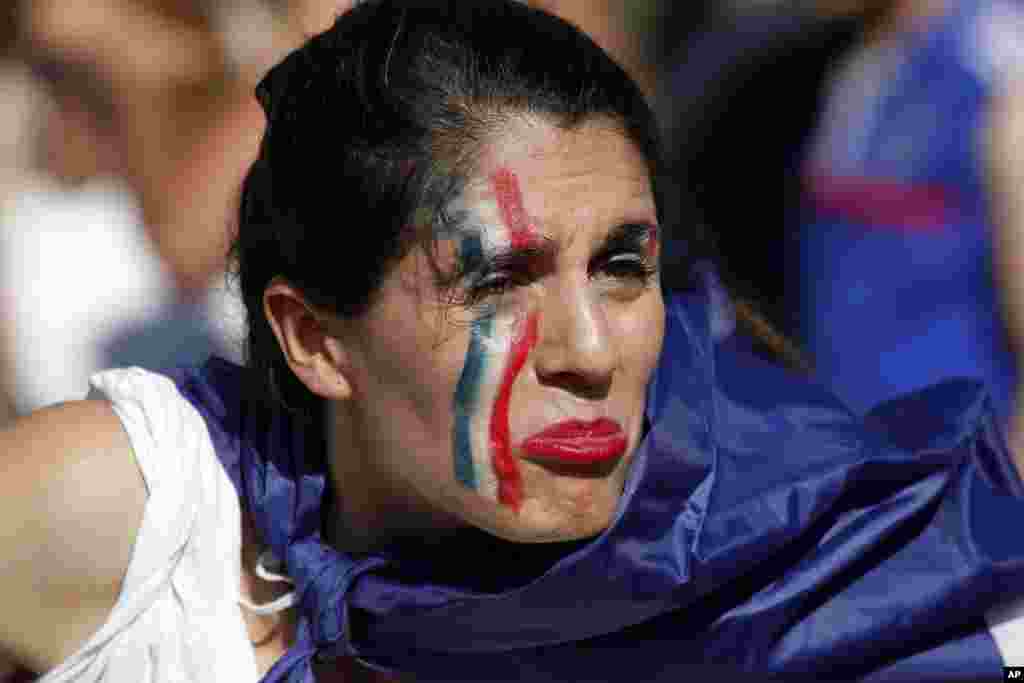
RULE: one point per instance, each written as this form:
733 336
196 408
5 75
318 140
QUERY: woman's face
499 378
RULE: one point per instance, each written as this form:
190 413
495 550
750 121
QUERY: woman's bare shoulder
71 502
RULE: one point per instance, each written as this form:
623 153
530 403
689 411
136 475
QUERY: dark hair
380 117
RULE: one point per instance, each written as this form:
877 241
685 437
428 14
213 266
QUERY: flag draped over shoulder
764 528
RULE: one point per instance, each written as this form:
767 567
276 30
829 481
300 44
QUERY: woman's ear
316 357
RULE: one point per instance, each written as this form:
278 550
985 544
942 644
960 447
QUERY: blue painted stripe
471 251
468 389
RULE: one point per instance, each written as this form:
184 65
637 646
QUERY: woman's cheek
648 327
498 348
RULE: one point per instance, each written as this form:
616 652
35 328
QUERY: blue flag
764 529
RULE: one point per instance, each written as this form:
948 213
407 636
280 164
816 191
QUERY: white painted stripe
486 479
483 220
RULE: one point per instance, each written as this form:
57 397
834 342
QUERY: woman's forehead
552 179
537 146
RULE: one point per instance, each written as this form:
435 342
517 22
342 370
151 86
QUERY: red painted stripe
522 232
510 480
883 204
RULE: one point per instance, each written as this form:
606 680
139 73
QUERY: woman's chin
583 512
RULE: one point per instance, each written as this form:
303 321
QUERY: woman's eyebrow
539 248
631 235
473 258
635 236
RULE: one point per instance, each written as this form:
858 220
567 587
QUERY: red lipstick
577 442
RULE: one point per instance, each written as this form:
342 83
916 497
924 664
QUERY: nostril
582 385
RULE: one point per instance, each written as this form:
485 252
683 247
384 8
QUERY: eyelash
635 267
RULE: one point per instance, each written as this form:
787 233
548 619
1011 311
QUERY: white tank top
178 617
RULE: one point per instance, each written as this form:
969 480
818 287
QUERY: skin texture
71 497
393 374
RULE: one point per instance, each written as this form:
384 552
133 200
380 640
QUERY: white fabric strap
267 568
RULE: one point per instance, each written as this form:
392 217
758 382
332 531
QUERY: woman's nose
575 349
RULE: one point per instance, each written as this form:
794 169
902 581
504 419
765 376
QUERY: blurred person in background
868 190
19 100
896 242
118 257
738 102
119 244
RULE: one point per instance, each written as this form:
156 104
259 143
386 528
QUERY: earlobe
316 357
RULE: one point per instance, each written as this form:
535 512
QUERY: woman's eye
494 285
627 266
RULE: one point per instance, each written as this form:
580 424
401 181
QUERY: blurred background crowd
852 165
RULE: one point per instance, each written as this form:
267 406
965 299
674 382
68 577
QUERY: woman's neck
369 508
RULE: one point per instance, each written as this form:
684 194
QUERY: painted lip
577 442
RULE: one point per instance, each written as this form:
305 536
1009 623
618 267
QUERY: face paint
471 466
483 451
652 245
510 202
510 482
497 353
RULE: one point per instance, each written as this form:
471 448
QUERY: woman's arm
71 502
